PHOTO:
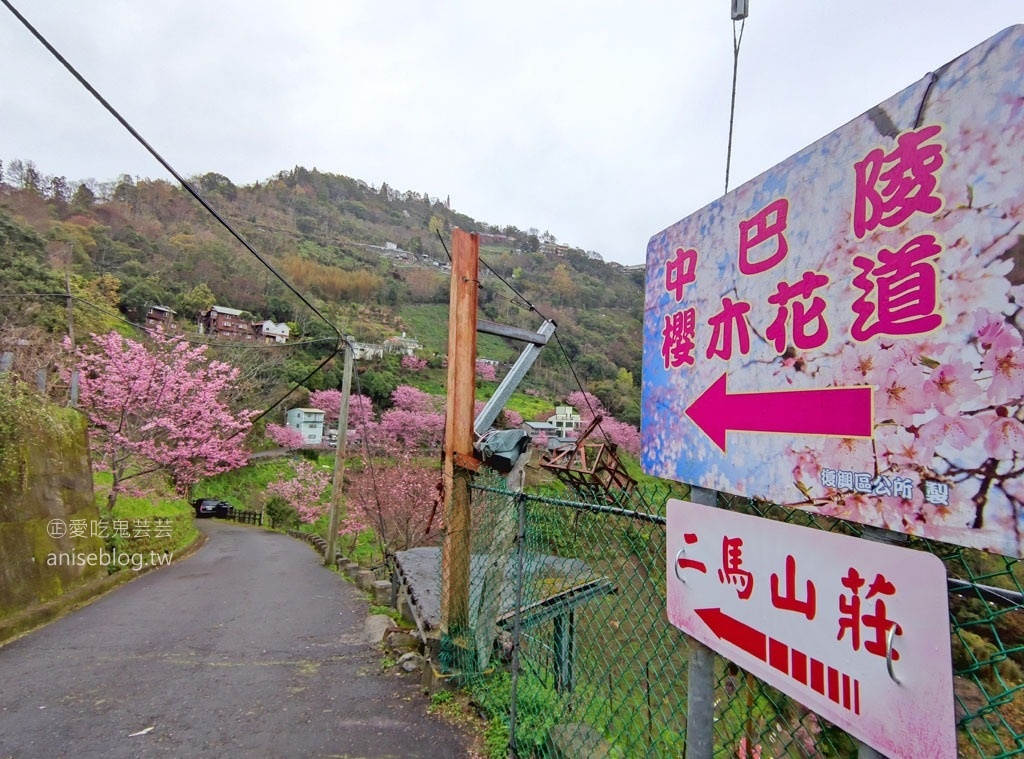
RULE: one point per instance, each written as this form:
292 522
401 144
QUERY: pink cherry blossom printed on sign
844 333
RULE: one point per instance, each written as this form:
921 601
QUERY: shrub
282 514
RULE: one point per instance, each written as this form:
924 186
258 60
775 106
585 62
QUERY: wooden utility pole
459 459
339 458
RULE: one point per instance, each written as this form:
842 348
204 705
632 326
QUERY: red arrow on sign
839 411
827 681
731 630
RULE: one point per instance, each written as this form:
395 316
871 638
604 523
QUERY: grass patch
530 406
387 611
145 525
430 381
245 488
129 507
428 323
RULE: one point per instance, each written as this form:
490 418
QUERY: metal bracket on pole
535 341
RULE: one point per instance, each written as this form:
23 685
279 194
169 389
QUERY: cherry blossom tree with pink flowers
305 492
360 409
513 419
397 500
158 406
486 371
414 364
328 401
416 419
624 435
285 437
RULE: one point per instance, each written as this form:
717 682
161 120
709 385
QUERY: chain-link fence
590 665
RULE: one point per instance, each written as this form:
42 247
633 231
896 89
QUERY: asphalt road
248 648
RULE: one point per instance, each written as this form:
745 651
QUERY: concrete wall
53 481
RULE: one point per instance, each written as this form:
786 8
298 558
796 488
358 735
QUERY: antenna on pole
740 9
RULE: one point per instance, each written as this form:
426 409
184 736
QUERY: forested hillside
369 258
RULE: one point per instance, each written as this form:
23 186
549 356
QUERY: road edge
34 617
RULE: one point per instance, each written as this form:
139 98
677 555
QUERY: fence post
700 675
564 652
517 618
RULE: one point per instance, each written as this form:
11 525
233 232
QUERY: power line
163 162
295 387
185 338
534 309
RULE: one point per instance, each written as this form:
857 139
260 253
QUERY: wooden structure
590 468
460 459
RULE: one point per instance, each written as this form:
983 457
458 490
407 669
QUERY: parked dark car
211 507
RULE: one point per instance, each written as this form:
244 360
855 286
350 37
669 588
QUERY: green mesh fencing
567 646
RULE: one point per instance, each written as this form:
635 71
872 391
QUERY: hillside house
540 428
160 317
406 346
225 322
308 421
551 248
565 421
231 322
270 331
363 351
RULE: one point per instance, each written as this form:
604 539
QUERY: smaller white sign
855 630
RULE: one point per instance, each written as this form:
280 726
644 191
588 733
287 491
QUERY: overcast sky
602 122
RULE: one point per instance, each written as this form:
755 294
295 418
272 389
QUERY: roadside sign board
855 630
844 333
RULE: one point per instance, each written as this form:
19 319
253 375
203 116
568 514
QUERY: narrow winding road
248 648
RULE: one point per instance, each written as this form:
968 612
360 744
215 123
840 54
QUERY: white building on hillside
308 421
273 332
566 421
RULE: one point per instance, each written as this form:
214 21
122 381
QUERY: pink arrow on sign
838 411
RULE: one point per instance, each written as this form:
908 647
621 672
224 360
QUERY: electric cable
184 338
561 347
295 387
163 162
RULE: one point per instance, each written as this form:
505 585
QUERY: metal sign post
700 676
